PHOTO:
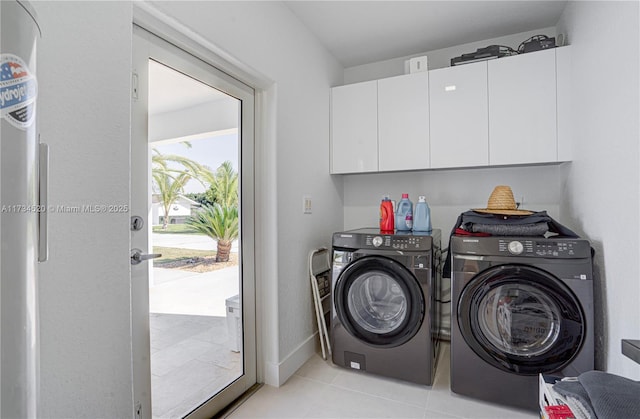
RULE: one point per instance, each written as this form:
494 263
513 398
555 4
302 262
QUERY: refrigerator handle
43 174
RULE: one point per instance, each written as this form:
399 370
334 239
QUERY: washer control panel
515 247
396 242
546 248
375 239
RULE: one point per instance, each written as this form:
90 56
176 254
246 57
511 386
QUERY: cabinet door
459 116
403 122
563 85
522 109
354 128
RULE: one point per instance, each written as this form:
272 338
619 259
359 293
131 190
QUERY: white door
148 47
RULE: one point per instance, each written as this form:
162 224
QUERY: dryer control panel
560 248
545 248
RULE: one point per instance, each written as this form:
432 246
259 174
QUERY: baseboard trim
277 374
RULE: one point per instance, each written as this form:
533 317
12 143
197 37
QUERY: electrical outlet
306 204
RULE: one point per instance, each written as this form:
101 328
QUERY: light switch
306 204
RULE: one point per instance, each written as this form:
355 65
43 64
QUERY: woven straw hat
502 202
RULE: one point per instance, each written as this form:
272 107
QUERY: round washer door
379 301
521 319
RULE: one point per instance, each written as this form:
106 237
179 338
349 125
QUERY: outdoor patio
191 350
190 361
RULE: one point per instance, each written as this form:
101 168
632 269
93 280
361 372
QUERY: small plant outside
220 219
221 224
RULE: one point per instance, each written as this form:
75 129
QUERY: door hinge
134 85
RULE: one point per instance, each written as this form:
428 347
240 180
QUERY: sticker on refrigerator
18 91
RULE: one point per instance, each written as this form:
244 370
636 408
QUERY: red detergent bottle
386 215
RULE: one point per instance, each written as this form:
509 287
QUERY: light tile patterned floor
322 390
190 361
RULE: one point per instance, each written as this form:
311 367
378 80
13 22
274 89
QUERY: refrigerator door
19 33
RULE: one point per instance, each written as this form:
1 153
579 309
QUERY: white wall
84 71
602 187
450 192
267 37
436 59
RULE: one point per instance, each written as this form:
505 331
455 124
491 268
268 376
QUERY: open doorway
194 286
194 327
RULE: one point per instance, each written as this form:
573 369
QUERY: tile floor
190 360
322 390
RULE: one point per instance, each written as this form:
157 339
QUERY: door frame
154 47
149 17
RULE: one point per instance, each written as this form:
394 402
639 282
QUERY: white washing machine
384 315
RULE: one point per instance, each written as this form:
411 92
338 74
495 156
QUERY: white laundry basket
234 322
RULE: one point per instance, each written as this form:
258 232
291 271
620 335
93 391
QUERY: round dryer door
521 319
379 301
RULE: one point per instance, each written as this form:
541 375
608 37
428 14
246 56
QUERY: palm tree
169 188
167 162
224 185
170 182
220 223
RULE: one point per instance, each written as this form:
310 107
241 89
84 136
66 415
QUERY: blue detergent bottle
422 216
404 214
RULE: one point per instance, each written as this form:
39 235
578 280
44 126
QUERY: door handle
137 256
43 195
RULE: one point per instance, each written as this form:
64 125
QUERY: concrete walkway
201 294
176 291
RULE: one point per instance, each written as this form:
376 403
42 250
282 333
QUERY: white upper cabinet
403 122
459 116
354 128
563 84
505 111
522 109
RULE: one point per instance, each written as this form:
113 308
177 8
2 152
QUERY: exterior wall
178 212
